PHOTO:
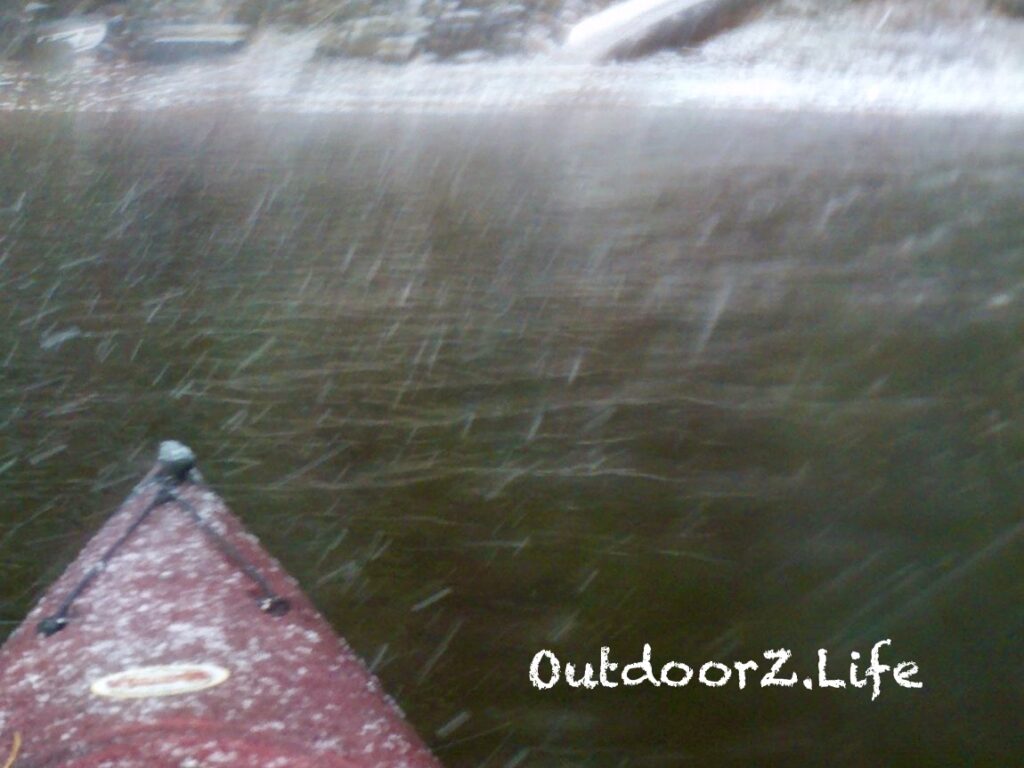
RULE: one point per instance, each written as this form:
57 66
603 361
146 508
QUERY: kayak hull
167 660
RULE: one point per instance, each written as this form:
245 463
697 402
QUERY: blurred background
704 334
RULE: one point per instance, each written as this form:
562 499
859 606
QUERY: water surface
714 381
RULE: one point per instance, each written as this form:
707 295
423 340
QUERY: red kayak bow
176 641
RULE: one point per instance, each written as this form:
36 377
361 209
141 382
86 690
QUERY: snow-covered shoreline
831 64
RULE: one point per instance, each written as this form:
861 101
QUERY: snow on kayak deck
292 693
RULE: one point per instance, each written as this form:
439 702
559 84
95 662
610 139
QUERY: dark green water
715 382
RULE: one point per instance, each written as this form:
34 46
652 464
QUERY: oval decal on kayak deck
163 680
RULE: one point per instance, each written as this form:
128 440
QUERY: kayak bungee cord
269 602
53 624
176 466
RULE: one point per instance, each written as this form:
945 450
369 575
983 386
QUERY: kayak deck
166 658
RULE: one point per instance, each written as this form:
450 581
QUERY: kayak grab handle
176 462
